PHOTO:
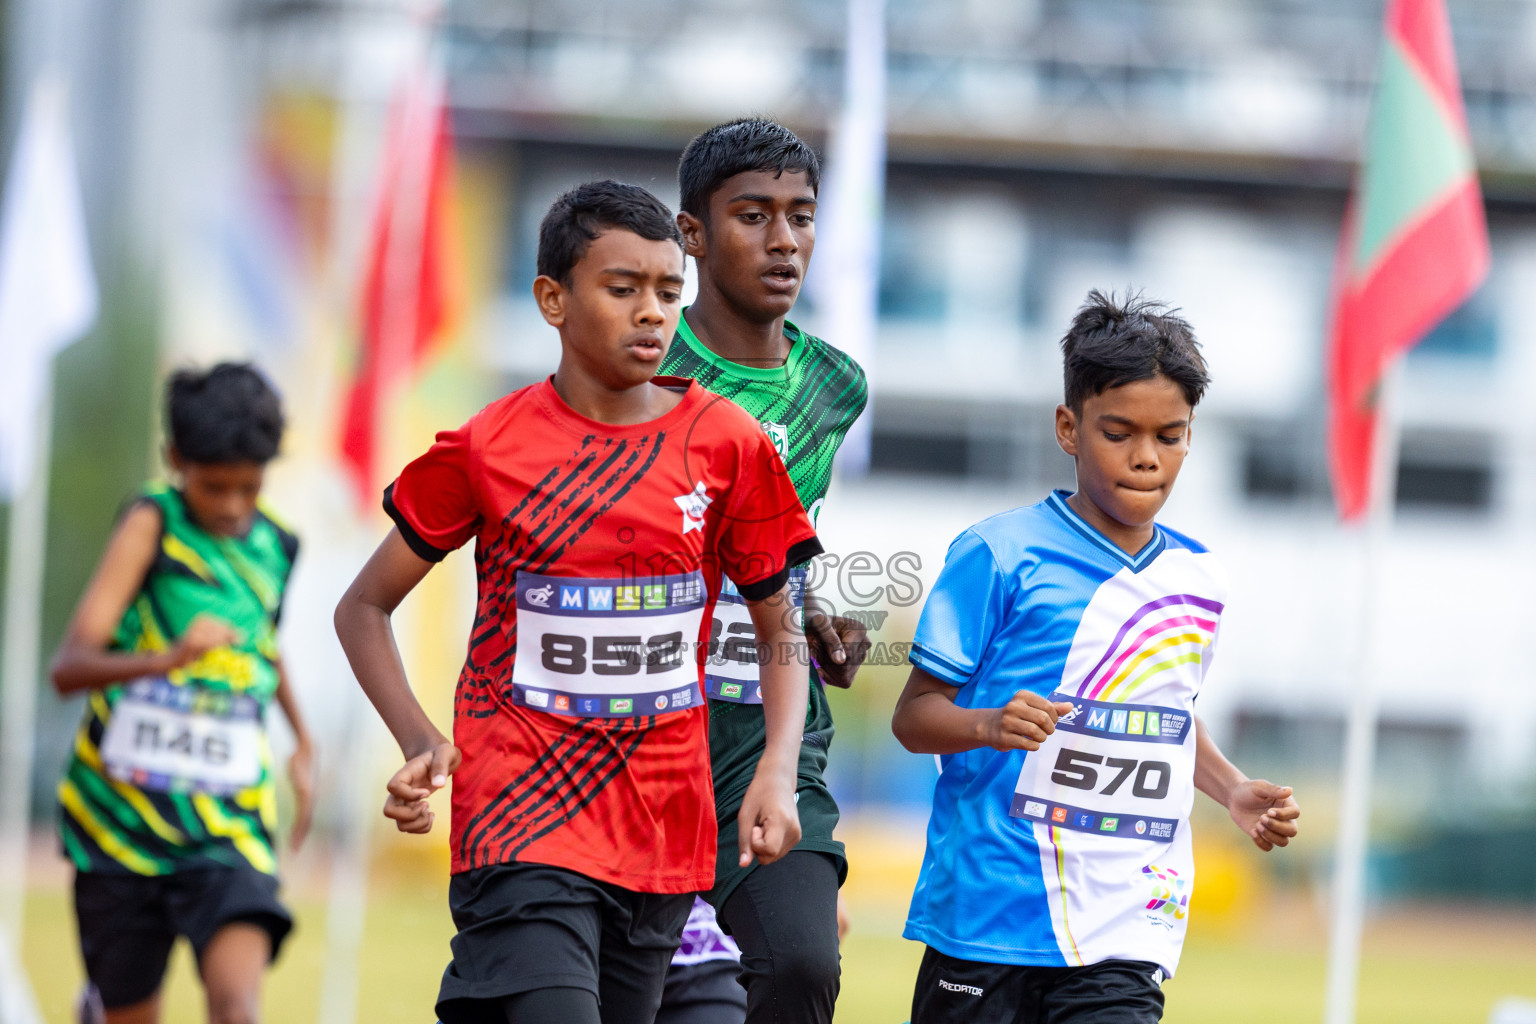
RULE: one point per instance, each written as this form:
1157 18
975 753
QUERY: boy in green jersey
748 219
167 808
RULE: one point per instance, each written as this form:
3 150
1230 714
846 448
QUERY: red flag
1415 241
407 282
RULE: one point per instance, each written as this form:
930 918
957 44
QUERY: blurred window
912 272
954 455
1471 332
1436 470
1444 470
1467 487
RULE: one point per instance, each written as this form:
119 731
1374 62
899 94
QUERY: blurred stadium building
1200 150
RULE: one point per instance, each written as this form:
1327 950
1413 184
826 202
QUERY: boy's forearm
932 723
1215 776
369 642
785 679
288 701
85 668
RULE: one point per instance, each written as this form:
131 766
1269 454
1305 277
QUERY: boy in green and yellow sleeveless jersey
167 808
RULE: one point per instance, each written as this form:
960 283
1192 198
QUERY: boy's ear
1066 430
551 297
693 234
173 458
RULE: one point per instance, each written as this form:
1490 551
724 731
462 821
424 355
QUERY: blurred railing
1276 78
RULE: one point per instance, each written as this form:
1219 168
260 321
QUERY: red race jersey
599 551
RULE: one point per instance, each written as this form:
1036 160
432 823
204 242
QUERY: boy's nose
780 238
650 310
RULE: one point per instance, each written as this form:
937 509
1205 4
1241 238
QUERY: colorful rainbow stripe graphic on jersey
1173 631
1078 852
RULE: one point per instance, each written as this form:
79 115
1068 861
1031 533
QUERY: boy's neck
725 332
621 407
1130 539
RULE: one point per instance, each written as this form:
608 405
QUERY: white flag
47 288
846 276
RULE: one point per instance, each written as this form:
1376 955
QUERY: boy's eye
621 289
803 219
671 297
1115 437
1170 440
752 216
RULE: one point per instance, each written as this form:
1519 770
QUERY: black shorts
523 927
969 992
704 993
128 923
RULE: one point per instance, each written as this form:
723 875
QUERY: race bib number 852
1121 770
606 648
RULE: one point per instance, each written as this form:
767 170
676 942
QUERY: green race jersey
173 773
806 406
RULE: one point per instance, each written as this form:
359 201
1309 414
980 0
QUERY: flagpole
347 905
47 300
1351 846
26 543
346 910
846 285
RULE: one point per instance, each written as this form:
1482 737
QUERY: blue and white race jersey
1079 852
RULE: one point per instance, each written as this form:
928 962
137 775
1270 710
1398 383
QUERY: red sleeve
765 530
433 501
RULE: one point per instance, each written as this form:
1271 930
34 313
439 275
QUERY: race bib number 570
1122 770
606 648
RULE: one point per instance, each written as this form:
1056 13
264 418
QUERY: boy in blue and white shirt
1056 666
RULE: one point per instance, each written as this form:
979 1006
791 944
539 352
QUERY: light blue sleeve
962 614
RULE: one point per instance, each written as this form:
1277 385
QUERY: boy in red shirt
605 507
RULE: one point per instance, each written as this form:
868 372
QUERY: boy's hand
1266 812
768 824
416 780
204 633
838 645
1023 723
301 773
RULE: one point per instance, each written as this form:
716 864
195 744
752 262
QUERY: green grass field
1260 957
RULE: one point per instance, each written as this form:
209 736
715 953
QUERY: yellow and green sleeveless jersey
173 773
806 406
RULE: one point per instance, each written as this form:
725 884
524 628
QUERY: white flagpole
347 904
1350 850
18 1005
847 277
47 299
26 541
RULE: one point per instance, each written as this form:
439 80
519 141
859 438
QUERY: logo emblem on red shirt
693 505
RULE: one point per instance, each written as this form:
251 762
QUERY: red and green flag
409 289
1415 241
